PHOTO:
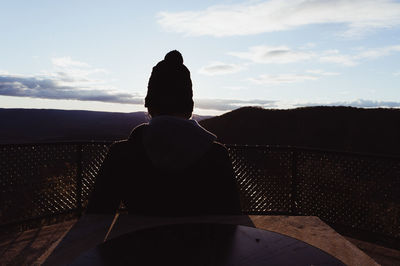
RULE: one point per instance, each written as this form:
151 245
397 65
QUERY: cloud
218 68
235 88
377 52
272 55
284 55
321 72
72 71
340 59
51 88
357 103
255 17
308 45
65 62
70 80
282 78
396 73
229 104
334 56
312 74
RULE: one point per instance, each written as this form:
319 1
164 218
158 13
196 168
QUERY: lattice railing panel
264 178
44 179
360 192
92 158
37 180
352 190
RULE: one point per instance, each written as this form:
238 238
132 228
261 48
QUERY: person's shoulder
119 144
123 145
218 145
218 149
137 132
118 148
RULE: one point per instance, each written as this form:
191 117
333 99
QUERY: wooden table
205 244
92 230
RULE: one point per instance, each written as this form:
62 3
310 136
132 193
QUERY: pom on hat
174 57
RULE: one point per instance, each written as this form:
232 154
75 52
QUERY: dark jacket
166 169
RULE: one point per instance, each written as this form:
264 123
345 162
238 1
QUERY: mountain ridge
323 127
52 125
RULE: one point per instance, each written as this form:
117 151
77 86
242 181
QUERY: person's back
170 166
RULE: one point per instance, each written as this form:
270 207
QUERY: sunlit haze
98 55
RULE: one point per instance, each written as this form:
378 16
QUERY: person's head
169 91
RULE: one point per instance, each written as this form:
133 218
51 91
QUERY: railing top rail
74 142
317 150
244 146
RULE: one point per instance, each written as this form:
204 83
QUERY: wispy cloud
235 88
335 57
377 52
52 88
231 104
396 73
356 103
219 68
312 74
228 105
273 55
49 88
254 17
66 62
284 55
70 80
282 79
322 72
74 73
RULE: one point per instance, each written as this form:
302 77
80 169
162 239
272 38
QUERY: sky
98 55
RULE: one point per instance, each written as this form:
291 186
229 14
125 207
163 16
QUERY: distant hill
43 125
337 128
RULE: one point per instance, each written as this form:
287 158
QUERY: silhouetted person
170 166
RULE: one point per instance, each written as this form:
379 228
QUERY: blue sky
98 55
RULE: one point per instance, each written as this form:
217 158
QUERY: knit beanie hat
169 90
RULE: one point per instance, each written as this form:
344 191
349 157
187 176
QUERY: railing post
79 179
293 193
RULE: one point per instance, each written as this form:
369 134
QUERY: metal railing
355 193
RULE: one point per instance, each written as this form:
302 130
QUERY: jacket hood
175 143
